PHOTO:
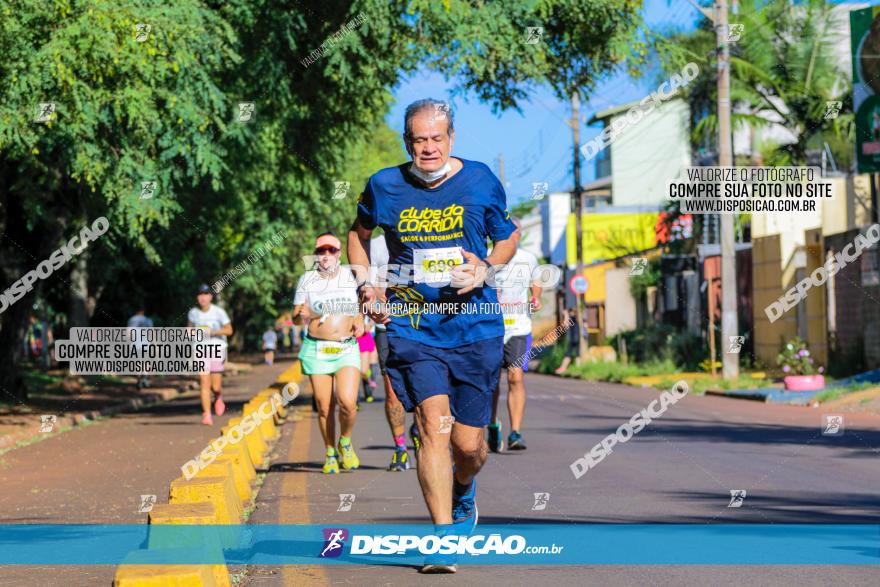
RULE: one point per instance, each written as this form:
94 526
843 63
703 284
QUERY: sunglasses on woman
322 250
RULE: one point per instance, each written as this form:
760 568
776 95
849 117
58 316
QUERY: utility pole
501 169
730 361
577 205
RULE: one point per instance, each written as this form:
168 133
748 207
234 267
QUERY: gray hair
427 104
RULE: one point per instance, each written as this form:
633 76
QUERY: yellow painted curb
291 374
254 441
218 490
280 410
202 512
242 459
170 576
266 427
224 466
654 380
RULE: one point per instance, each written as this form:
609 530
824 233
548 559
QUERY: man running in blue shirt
445 329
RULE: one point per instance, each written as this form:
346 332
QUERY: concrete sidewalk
97 473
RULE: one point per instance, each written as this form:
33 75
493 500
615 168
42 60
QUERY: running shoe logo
334 541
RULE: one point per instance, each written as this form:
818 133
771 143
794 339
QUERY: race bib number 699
435 265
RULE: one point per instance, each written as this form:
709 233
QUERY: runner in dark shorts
437 213
394 412
519 292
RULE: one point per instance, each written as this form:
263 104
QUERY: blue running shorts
467 374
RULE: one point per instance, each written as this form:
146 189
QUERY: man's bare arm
359 258
503 251
359 251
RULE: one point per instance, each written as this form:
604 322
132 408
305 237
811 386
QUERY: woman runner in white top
326 302
218 326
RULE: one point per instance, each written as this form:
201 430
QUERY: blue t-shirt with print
425 230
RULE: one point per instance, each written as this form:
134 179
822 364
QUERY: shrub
551 358
617 372
660 342
795 358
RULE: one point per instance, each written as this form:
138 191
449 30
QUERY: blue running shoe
515 441
432 568
464 511
440 563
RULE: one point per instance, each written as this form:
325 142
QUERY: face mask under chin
430 176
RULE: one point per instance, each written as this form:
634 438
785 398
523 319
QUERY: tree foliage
163 106
784 68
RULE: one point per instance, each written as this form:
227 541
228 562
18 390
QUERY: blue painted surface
538 544
778 395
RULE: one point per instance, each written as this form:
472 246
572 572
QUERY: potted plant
797 364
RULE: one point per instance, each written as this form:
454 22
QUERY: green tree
135 105
783 68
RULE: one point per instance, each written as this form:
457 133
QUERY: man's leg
516 398
468 452
474 370
514 350
435 464
494 428
394 412
516 407
396 417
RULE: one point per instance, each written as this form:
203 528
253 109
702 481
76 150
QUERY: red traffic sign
578 285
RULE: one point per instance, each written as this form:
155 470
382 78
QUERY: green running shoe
350 460
331 465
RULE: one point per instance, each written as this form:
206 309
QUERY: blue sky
537 144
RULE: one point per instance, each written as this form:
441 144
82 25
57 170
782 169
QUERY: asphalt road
679 469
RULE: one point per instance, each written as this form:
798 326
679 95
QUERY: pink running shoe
207 420
219 405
